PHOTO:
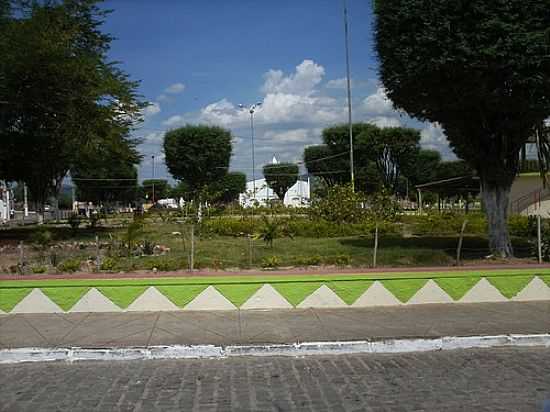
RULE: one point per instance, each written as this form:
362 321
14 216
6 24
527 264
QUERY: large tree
280 177
156 189
198 154
481 69
59 94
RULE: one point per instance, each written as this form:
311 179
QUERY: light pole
153 179
251 110
352 174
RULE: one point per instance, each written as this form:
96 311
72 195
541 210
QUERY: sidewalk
254 327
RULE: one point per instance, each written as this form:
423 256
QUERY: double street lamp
251 110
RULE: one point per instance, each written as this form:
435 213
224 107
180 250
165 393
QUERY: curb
19 355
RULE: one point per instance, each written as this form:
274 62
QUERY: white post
539 240
25 200
8 204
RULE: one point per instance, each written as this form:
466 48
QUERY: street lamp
352 174
153 179
251 110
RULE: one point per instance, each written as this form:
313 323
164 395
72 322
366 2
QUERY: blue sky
198 60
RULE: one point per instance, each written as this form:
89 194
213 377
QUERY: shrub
308 260
340 205
69 266
524 226
109 264
339 260
227 226
271 230
163 264
448 222
148 247
270 262
39 269
74 222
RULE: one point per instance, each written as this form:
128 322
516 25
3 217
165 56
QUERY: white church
258 191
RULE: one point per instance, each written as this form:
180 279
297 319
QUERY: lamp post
153 179
352 173
252 110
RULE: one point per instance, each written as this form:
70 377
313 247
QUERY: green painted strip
11 297
295 293
350 290
510 286
456 288
404 289
181 295
122 296
65 298
238 294
546 279
214 280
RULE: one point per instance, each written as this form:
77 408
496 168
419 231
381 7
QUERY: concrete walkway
274 326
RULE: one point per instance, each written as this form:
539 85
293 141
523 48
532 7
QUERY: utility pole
352 173
25 200
153 180
252 110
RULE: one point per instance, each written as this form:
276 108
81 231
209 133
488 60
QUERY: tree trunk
495 200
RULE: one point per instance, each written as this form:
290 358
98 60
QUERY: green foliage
198 155
109 264
94 220
74 222
271 262
272 229
161 188
524 226
338 260
131 235
42 238
65 100
480 69
425 167
448 222
341 205
281 177
382 207
69 266
321 161
227 189
39 269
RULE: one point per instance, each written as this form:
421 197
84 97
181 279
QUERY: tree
453 168
230 187
60 95
161 188
481 70
392 149
280 177
108 173
425 167
198 155
322 162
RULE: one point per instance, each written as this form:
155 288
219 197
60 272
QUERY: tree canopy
161 188
198 154
61 97
280 177
481 70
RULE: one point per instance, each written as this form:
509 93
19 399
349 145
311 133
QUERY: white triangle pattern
36 302
430 293
210 299
376 295
323 297
537 289
152 301
483 291
94 301
266 298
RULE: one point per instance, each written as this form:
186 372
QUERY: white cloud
301 135
378 103
151 110
385 121
155 137
172 121
433 136
308 74
175 88
337 83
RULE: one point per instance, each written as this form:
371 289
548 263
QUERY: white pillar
25 200
8 204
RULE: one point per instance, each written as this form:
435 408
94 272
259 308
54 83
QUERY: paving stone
462 380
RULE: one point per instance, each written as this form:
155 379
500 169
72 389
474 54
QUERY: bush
448 222
308 260
39 269
524 226
69 266
339 260
109 264
270 262
74 222
163 264
227 226
340 205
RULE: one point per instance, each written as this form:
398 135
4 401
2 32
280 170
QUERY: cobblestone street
473 380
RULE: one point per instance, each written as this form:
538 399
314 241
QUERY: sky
198 60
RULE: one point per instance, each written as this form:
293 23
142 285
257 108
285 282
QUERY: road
483 379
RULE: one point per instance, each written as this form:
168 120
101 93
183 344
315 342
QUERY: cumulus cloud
173 121
175 88
151 110
378 103
385 121
154 137
308 74
337 83
301 135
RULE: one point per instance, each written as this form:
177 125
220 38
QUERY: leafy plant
148 247
271 262
271 230
74 222
69 265
39 269
109 264
340 205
